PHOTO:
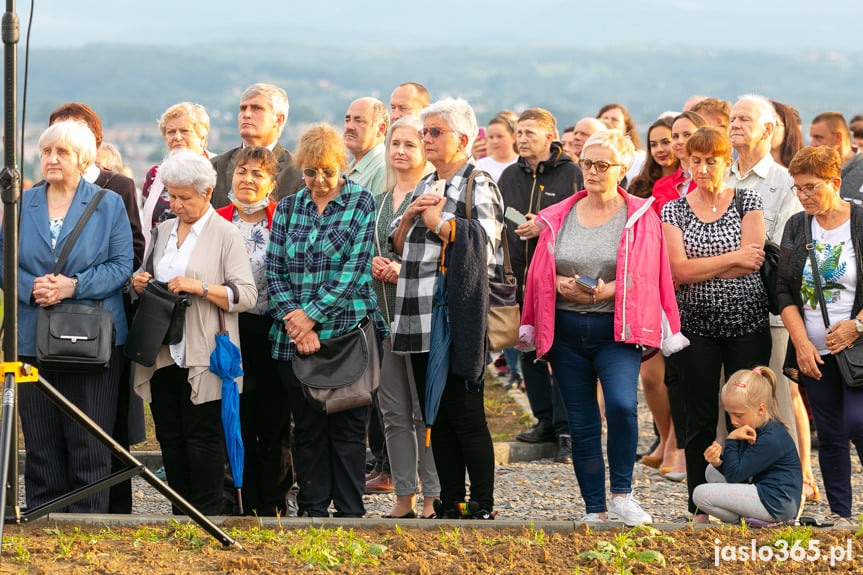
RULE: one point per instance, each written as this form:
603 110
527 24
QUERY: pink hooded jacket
645 307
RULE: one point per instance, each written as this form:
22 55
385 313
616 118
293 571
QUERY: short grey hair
278 99
766 111
458 114
183 168
616 141
77 135
196 113
408 121
112 159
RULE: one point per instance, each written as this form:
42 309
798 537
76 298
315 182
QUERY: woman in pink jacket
599 294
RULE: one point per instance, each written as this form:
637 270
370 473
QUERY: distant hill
136 83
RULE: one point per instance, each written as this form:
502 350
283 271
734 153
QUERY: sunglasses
600 165
435 132
327 172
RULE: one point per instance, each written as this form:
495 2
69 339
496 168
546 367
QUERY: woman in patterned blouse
319 275
715 237
266 423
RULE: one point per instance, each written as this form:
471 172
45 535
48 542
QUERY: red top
227 212
668 188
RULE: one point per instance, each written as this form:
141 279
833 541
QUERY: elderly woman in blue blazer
61 456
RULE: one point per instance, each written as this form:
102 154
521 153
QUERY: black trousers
676 397
460 439
192 439
61 455
329 454
265 417
700 367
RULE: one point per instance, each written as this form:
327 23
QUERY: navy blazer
101 258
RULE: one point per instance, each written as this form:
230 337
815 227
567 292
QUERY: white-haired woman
204 255
61 456
436 219
593 301
184 126
397 397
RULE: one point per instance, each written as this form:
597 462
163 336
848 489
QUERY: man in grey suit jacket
262 117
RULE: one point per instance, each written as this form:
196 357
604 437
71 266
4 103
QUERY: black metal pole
10 181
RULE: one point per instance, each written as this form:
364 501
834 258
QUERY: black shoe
445 510
564 450
542 432
472 510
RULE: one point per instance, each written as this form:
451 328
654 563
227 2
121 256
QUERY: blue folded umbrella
439 350
226 362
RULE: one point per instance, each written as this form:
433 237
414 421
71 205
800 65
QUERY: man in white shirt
366 123
751 126
407 100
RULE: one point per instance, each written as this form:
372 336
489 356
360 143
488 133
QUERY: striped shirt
422 252
322 264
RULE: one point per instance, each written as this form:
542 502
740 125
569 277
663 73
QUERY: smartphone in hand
587 283
514 216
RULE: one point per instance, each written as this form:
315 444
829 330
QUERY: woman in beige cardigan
202 254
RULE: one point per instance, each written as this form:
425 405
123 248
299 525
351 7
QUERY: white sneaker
591 518
627 510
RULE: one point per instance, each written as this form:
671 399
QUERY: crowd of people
631 264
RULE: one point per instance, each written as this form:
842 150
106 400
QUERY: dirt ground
186 549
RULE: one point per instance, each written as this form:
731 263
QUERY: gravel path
543 490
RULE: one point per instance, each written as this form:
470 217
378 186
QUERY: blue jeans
584 350
513 361
838 414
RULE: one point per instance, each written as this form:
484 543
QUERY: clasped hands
385 269
300 328
50 289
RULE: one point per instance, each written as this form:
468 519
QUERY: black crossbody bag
160 318
850 359
75 337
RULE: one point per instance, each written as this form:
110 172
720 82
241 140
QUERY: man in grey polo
366 123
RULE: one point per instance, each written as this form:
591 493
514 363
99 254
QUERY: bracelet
593 298
438 227
206 289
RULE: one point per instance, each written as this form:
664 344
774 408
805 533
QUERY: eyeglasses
600 165
327 172
808 190
435 132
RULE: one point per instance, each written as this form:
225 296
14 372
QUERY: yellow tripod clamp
24 372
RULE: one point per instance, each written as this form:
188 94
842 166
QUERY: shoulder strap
468 200
148 265
76 231
738 202
289 212
816 275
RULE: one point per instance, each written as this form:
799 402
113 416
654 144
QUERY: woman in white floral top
264 415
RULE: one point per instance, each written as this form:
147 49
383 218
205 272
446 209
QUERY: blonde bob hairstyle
77 135
321 146
196 112
616 141
412 122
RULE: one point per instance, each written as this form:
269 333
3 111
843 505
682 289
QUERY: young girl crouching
758 475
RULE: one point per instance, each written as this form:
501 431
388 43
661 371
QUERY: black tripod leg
105 439
8 451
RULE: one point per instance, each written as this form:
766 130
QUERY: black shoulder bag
160 318
850 359
75 337
770 268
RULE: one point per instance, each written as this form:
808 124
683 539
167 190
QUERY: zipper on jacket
527 241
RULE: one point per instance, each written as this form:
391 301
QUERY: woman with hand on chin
400 406
716 247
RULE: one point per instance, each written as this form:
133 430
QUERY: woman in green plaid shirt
319 275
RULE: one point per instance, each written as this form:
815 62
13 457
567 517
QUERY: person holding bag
205 256
319 278
62 456
831 228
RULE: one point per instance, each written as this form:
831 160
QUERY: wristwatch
75 283
206 287
858 323
438 227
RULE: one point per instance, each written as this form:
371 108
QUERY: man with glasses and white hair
366 123
263 115
753 119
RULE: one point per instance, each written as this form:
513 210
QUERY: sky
782 25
